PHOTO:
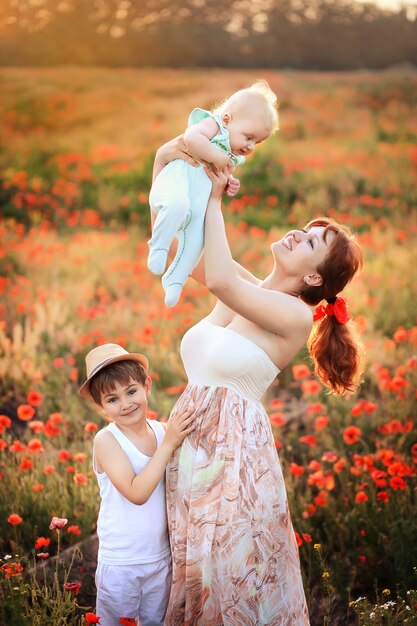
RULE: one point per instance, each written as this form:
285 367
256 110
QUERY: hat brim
84 390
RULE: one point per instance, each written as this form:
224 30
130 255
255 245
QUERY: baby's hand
232 187
221 160
179 426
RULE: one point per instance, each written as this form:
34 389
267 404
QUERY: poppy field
75 170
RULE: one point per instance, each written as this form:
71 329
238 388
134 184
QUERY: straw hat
104 355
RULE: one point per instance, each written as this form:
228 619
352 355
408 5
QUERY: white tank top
130 533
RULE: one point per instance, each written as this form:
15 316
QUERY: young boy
133 575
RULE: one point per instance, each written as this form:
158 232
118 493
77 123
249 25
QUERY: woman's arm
176 149
275 311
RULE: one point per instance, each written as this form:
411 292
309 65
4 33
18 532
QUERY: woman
235 559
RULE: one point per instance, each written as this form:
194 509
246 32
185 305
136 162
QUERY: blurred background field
75 169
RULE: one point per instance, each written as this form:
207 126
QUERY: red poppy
277 419
79 457
175 390
400 334
321 499
296 470
58 522
55 418
276 403
74 530
315 407
310 387
73 587
38 487
34 398
321 422
25 464
42 542
351 435
309 440
361 496
357 409
5 421
330 457
298 539
25 412
300 371
127 621
11 569
310 510
51 430
14 519
35 445
80 478
90 427
37 426
92 618
397 483
382 496
64 456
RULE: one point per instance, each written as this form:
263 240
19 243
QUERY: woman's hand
219 179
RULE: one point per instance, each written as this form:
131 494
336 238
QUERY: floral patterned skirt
235 557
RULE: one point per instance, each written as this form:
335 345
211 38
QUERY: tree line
299 34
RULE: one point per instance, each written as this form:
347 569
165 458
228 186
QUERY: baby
180 192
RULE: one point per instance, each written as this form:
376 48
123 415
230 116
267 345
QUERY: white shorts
138 591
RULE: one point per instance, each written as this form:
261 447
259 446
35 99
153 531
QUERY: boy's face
127 404
246 130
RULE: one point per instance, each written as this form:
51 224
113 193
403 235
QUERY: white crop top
221 357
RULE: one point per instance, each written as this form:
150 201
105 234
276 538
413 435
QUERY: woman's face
300 252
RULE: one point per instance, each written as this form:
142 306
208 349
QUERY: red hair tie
337 307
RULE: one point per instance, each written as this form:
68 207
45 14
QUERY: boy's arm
197 139
137 488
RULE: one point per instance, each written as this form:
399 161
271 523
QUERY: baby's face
246 130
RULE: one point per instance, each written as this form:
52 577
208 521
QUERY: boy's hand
232 187
179 426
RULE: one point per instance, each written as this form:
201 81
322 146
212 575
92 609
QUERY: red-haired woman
235 558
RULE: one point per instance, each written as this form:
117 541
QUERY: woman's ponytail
337 355
333 345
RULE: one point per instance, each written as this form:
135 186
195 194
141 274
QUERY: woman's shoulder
301 317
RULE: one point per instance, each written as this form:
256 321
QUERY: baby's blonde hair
260 93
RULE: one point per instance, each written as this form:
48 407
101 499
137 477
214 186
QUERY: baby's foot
157 261
172 294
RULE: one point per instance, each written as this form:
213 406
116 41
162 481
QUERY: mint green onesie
179 197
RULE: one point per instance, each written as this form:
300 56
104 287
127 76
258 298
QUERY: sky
395 5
